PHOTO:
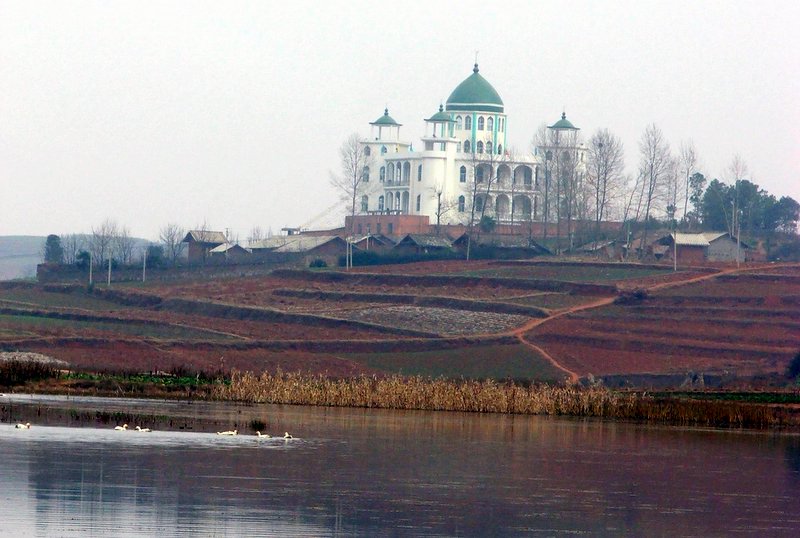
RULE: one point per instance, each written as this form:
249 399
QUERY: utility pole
109 271
91 262
144 266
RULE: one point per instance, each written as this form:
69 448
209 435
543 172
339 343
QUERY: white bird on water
287 435
138 429
229 432
122 428
266 435
21 426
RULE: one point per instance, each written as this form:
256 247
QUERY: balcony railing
397 182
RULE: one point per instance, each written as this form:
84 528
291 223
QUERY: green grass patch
552 301
485 362
48 299
566 273
26 324
746 397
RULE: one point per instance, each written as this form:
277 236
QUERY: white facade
463 157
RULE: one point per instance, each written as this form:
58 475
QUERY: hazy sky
232 112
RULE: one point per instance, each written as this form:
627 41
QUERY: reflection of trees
793 457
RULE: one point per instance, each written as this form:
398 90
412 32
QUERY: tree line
583 183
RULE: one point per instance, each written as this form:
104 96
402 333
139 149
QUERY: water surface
354 472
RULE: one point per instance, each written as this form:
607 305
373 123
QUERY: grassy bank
710 409
396 392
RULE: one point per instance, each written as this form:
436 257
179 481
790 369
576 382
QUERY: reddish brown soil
144 357
744 325
737 325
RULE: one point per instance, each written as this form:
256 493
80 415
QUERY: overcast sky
232 112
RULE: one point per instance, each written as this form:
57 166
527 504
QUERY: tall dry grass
398 392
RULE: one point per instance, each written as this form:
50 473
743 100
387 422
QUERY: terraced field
536 321
734 325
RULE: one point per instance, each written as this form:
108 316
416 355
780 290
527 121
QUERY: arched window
462 174
390 172
489 124
499 149
383 150
467 147
480 123
488 146
461 203
365 174
406 171
478 204
479 174
380 203
383 173
364 203
479 147
458 123
398 175
367 151
458 147
419 173
390 201
467 122
419 199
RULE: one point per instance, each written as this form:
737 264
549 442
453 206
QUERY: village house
201 242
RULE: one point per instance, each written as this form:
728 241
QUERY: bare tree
353 177
171 235
72 245
687 162
443 205
605 173
655 164
736 172
256 234
123 245
542 141
101 244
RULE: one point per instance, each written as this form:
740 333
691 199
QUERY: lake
356 472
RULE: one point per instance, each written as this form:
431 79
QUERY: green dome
563 123
475 93
386 119
441 116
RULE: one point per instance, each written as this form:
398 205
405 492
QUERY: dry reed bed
398 392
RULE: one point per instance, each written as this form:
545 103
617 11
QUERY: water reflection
367 472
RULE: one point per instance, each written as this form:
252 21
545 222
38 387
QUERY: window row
480 147
523 175
481 123
399 172
390 202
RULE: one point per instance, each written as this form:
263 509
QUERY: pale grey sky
232 112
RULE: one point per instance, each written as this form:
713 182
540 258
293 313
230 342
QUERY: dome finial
386 111
441 107
563 115
475 69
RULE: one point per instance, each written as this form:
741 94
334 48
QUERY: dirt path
519 332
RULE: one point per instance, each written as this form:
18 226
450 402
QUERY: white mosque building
464 156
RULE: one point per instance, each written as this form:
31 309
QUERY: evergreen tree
53 252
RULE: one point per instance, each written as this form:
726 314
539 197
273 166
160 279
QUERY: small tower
441 125
388 128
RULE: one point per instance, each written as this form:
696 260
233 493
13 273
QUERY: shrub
318 263
627 297
793 370
16 372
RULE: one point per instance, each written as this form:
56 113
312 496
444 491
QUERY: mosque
464 157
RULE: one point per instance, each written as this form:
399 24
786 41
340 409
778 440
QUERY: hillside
538 321
19 255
